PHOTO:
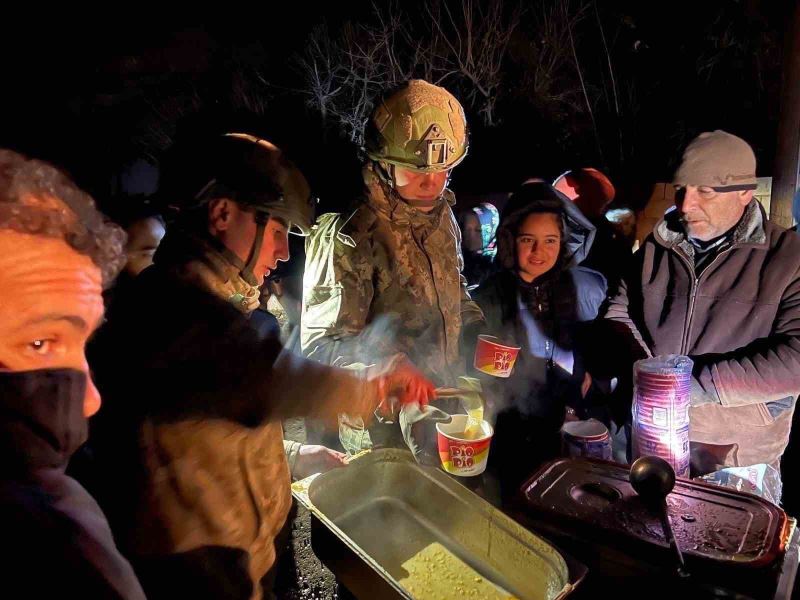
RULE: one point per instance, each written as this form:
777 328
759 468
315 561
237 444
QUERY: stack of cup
661 399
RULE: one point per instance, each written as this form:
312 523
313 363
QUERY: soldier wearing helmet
237 197
386 277
195 472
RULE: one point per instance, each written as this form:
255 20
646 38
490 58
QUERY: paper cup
461 457
494 358
586 438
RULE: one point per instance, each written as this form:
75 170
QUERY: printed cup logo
502 361
460 451
462 456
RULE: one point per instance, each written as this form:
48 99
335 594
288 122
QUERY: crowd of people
183 487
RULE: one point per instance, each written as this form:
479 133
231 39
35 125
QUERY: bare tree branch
463 49
583 85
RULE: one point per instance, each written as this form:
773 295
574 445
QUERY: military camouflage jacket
386 279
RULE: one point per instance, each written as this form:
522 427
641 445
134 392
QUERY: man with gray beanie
717 281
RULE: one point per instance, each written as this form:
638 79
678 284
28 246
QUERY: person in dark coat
538 300
720 283
56 254
197 475
592 192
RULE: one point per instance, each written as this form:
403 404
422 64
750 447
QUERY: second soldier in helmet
386 276
195 476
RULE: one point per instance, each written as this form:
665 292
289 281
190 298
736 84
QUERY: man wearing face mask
56 254
196 475
720 283
386 277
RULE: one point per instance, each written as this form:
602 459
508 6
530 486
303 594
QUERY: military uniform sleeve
337 293
265 387
204 358
471 314
292 450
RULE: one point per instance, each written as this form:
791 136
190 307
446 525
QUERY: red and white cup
494 358
460 456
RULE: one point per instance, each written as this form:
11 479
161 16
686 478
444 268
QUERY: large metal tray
412 528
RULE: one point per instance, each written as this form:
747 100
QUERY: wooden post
787 154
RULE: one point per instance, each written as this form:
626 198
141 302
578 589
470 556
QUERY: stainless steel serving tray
407 531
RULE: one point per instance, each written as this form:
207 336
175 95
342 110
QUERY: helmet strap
247 274
385 172
245 268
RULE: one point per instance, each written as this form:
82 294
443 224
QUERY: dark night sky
73 90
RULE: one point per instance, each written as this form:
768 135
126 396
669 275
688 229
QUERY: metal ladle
653 479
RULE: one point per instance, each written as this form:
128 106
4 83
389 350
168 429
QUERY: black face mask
41 417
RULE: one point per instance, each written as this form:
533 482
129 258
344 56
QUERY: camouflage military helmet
421 127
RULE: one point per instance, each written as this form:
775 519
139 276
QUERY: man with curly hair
56 254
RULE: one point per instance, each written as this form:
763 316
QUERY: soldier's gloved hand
405 384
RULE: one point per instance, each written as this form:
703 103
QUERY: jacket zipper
693 295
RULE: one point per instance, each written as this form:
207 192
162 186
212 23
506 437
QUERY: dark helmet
248 170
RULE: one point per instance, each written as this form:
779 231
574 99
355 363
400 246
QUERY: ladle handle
673 543
445 392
